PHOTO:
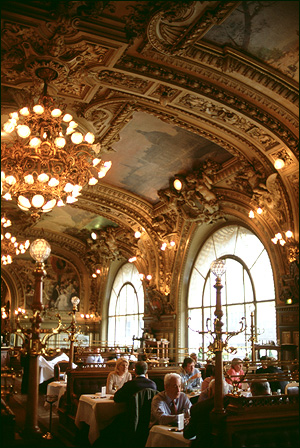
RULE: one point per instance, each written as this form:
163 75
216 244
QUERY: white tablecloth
161 436
47 367
98 413
57 388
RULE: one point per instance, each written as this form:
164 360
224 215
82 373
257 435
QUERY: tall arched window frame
248 286
126 307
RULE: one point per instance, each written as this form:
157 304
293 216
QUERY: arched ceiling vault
170 89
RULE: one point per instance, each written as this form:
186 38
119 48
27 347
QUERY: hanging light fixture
48 161
9 245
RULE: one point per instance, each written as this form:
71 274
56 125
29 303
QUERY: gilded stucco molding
174 28
220 65
216 93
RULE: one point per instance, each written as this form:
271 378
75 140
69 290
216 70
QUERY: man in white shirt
168 404
191 377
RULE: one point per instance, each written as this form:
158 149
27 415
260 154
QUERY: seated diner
118 377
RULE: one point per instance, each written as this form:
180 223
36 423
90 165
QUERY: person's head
141 367
260 387
211 388
210 370
265 361
121 366
188 364
237 364
172 384
194 357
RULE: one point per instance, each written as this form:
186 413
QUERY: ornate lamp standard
40 251
218 268
72 330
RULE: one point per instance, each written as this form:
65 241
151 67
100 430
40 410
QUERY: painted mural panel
60 284
267 30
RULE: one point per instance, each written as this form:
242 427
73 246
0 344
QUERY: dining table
98 412
165 436
56 388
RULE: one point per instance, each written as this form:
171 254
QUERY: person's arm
161 414
121 394
109 384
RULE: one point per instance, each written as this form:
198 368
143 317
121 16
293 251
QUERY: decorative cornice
208 90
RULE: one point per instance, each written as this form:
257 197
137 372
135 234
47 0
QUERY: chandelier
46 160
9 245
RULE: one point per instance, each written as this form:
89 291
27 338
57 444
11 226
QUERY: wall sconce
279 238
177 184
279 163
97 272
168 245
251 214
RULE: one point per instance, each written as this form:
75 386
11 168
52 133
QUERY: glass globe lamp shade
177 184
75 301
218 267
278 164
40 250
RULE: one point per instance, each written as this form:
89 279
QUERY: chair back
59 369
139 410
292 388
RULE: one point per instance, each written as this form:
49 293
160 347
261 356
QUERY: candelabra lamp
72 330
253 335
35 338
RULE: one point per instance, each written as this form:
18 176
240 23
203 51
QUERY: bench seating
262 421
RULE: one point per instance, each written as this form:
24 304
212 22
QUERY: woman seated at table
235 372
209 376
118 377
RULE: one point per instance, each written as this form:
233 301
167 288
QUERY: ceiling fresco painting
267 30
204 93
156 151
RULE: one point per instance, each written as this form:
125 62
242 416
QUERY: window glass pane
263 278
195 324
249 293
132 305
121 303
238 291
234 282
209 298
126 306
111 330
112 303
195 289
206 256
234 317
266 321
225 241
248 246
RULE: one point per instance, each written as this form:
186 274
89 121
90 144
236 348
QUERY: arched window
248 286
126 306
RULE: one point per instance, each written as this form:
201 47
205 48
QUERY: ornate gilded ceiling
203 91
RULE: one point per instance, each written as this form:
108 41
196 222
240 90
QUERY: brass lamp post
218 269
40 251
72 329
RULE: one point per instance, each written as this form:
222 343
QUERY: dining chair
292 388
60 369
138 417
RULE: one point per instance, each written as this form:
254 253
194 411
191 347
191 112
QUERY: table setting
98 411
